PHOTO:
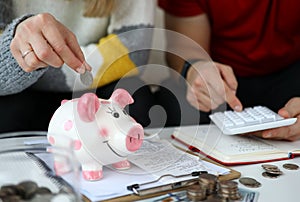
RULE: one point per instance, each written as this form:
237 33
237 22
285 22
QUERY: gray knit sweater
128 15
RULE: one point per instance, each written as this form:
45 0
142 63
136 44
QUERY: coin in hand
290 166
86 78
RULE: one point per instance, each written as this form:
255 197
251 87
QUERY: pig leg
92 171
61 166
122 165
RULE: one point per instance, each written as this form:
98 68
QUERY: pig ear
63 102
87 107
122 97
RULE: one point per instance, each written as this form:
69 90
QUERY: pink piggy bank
101 131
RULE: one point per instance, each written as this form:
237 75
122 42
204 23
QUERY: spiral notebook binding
61 184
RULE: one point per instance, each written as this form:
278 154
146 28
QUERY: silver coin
272 169
269 175
274 172
269 166
249 182
86 78
290 166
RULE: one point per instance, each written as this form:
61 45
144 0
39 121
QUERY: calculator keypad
248 120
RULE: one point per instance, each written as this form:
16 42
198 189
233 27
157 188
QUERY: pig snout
134 138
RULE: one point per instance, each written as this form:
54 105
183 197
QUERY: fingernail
81 69
237 108
87 66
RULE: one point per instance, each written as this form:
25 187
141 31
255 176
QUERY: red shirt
254 37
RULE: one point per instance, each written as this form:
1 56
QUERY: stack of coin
271 171
196 193
228 190
209 182
249 182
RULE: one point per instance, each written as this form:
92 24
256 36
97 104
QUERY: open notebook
234 150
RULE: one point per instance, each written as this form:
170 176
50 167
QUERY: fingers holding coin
41 41
86 78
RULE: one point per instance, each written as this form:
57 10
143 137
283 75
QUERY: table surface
284 188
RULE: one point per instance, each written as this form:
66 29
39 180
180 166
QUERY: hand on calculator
292 132
249 120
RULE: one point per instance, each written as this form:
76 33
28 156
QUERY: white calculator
249 120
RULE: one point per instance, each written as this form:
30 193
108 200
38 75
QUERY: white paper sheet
152 160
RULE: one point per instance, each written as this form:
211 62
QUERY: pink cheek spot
103 132
77 145
51 140
68 125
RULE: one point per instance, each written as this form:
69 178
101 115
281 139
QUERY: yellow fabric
116 62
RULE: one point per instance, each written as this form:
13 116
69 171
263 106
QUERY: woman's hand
42 41
210 85
292 132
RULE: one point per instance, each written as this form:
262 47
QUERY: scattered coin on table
269 167
271 171
269 175
290 166
249 182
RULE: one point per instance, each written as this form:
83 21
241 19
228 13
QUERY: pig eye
116 114
124 111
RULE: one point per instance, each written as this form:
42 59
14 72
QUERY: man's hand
292 132
210 85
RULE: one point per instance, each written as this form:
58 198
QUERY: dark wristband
187 64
